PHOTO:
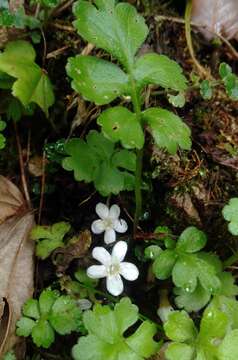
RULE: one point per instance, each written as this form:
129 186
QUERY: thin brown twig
22 167
43 178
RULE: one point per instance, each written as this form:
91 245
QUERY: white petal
109 236
115 285
102 210
120 226
97 271
102 255
114 212
98 227
129 271
119 251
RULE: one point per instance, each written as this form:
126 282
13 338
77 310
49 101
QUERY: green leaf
180 327
177 100
184 273
119 30
178 351
230 214
2 141
141 342
31 309
164 263
228 350
213 324
105 339
97 160
192 301
152 251
167 129
25 326
120 124
228 288
65 315
46 300
9 356
206 90
224 70
43 334
191 240
49 238
159 70
97 80
32 84
126 314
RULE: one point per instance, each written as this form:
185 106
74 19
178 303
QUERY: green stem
139 154
231 260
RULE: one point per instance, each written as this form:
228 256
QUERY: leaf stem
231 260
135 97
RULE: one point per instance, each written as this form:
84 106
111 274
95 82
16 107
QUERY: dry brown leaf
16 261
76 249
218 16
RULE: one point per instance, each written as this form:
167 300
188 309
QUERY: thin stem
139 154
231 260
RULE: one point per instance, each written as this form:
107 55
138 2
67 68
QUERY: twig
22 168
42 187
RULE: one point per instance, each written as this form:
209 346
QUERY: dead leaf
77 248
217 16
36 166
16 261
184 202
11 199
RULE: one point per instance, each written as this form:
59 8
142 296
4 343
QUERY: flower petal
98 227
114 212
97 271
129 271
119 251
102 210
101 255
120 225
114 285
109 236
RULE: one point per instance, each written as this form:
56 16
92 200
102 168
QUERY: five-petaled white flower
109 222
113 267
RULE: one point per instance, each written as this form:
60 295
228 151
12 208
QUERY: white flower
109 222
113 267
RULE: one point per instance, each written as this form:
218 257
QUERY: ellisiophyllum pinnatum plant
120 31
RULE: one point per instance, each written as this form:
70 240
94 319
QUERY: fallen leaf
217 16
77 248
16 261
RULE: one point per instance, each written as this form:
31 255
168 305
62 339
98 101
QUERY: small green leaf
152 251
178 351
224 70
167 129
159 70
206 90
120 124
191 240
164 263
43 334
177 100
25 326
180 327
184 273
141 342
97 80
192 301
228 288
32 84
46 300
49 238
119 30
65 315
31 309
105 339
230 213
228 350
97 160
10 356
